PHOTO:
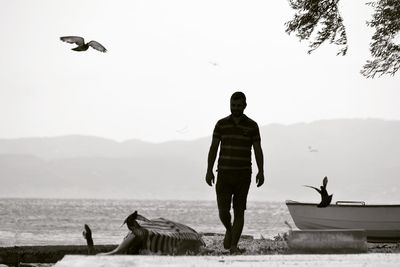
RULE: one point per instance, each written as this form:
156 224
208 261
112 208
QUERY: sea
29 222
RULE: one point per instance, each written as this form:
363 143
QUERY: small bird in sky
312 149
82 46
215 64
182 130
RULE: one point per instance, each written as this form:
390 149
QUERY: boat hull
381 222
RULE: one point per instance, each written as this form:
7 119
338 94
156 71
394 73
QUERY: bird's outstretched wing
325 181
73 40
313 188
97 46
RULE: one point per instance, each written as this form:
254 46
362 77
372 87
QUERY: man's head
238 104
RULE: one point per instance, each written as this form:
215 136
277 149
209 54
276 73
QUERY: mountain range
360 157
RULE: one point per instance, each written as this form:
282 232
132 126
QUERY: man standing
237 134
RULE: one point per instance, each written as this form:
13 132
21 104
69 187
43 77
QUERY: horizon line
184 140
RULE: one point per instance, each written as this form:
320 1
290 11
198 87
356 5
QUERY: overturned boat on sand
381 222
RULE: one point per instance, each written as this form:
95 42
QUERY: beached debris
158 236
87 234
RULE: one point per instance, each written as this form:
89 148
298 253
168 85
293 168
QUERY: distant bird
183 130
325 198
213 63
312 149
82 46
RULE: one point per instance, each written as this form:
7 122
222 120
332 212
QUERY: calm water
60 221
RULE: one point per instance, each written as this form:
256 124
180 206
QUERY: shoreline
49 255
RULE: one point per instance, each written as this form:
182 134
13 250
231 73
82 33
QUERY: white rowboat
381 222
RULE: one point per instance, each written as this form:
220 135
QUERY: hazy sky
172 66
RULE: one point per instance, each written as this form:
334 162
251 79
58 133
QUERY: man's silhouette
237 134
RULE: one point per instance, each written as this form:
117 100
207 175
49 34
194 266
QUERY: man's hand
260 179
210 178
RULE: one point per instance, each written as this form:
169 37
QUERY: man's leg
239 206
224 200
224 207
225 217
237 228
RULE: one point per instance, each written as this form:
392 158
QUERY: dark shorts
233 186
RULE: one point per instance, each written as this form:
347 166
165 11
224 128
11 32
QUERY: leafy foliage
323 17
384 51
318 14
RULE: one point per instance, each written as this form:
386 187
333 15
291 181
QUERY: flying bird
82 46
183 130
325 198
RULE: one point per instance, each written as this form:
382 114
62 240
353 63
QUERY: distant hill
359 156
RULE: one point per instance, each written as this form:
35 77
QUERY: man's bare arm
260 163
212 155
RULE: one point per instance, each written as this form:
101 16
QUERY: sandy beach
279 246
334 260
49 255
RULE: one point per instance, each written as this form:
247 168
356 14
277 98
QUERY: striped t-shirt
236 141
